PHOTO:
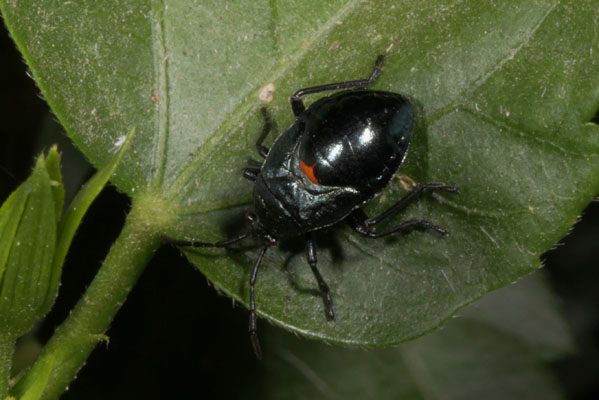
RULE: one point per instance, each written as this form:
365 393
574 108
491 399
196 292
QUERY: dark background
158 348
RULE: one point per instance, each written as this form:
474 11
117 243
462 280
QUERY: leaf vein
160 59
502 125
477 83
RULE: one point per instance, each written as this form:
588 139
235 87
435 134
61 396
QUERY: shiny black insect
337 154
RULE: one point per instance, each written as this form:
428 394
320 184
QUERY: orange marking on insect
309 171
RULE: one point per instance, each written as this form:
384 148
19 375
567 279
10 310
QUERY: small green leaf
27 242
78 207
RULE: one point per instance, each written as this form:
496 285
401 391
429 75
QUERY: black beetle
338 154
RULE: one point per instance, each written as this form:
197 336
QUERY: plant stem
74 340
7 348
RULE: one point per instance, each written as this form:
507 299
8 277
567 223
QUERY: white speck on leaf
489 236
119 142
267 93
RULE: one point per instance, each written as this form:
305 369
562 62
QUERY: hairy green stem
74 340
7 347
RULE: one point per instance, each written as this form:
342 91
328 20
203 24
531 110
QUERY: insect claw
256 345
442 231
330 314
451 189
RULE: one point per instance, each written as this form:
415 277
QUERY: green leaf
505 93
35 381
528 312
27 240
486 354
30 213
78 207
56 186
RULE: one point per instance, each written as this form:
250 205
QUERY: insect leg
410 197
224 243
324 288
253 325
254 163
298 106
263 150
251 173
358 221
